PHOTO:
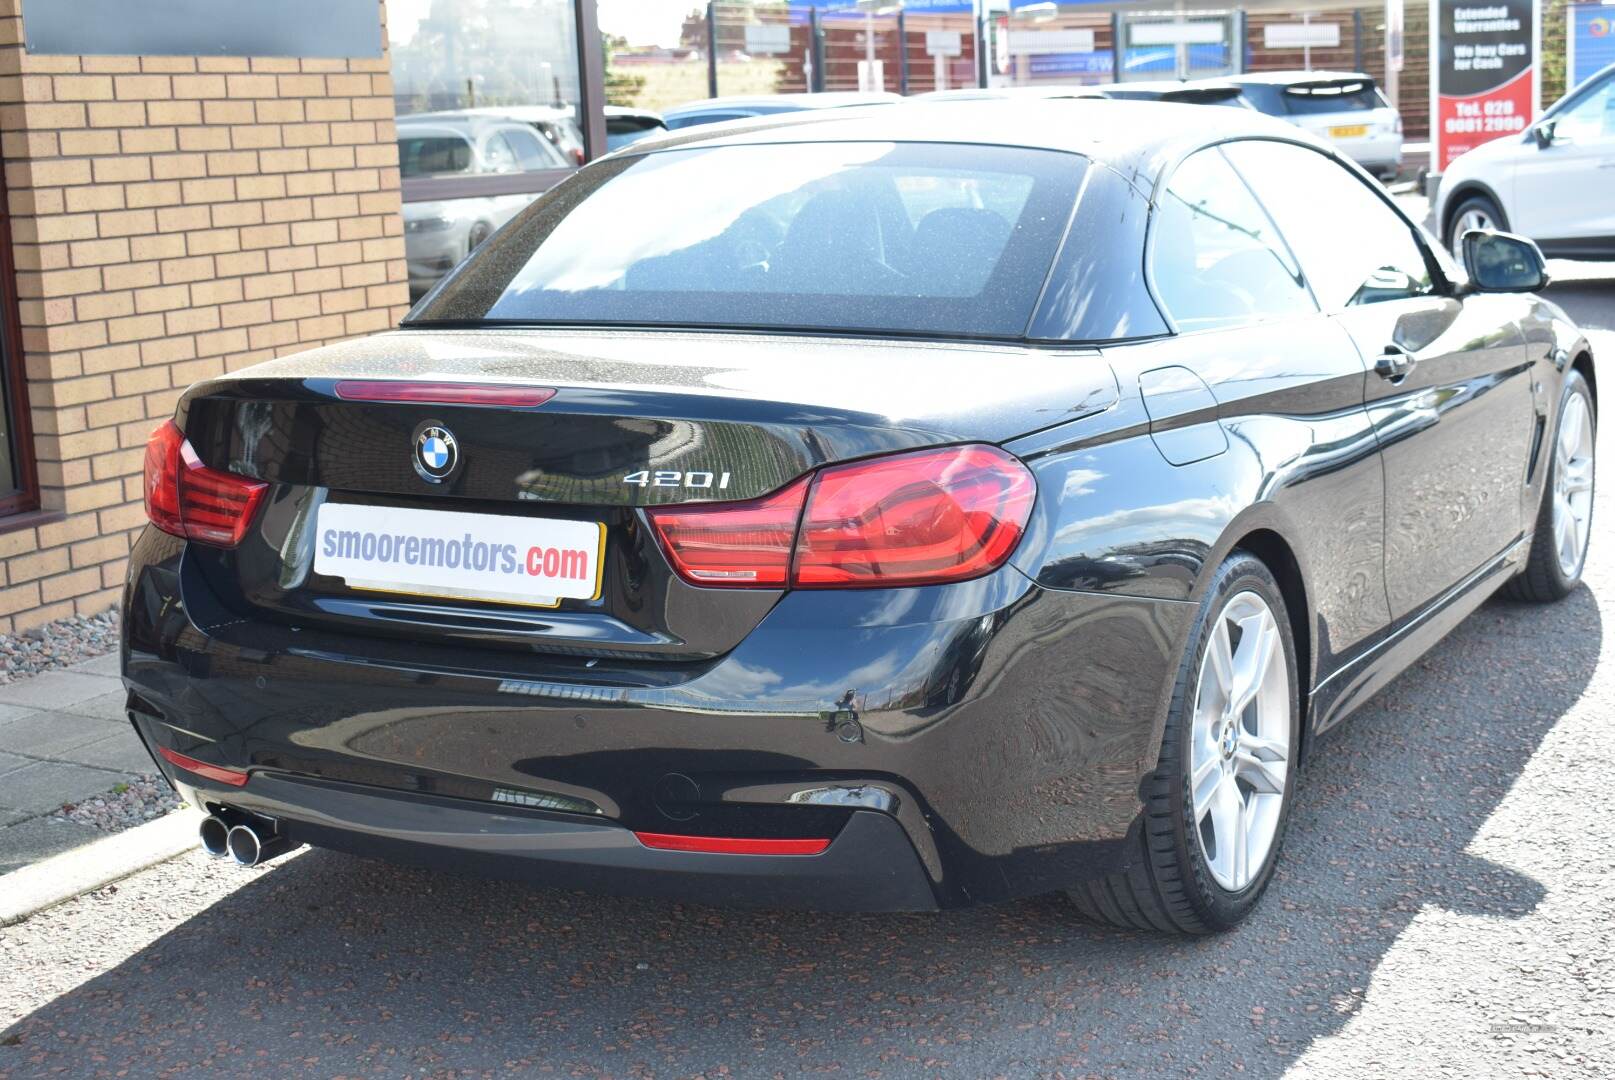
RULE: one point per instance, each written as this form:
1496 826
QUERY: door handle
1394 364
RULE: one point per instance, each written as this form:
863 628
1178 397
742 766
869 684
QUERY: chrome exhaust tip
253 845
214 832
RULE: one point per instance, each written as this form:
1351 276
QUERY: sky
645 22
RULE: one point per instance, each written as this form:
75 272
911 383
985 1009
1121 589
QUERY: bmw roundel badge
437 452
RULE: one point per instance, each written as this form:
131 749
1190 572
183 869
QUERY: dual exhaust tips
248 840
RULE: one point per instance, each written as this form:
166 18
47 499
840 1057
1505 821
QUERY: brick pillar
173 218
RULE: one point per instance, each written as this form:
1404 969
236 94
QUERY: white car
1344 107
441 232
1555 183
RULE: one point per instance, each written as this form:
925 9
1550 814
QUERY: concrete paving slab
53 734
12 712
38 839
121 751
101 665
44 785
57 689
10 763
8 816
105 707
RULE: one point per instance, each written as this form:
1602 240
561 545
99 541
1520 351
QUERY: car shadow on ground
325 964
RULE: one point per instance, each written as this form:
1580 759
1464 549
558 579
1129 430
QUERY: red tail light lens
923 518
162 478
913 519
442 393
733 545
186 498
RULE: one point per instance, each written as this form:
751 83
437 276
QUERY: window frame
1157 197
25 499
1442 284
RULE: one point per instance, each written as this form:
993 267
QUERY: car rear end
1347 110
735 616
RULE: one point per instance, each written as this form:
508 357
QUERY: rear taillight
913 519
921 518
734 545
188 499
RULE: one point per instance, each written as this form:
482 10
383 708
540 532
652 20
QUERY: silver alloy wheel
1473 218
1239 749
1573 484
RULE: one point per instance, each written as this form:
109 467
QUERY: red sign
1484 79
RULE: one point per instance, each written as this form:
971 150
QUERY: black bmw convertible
887 510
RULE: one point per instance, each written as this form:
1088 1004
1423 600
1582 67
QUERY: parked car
439 233
1033 92
714 110
1345 107
946 504
1198 92
1183 93
557 123
625 126
1554 183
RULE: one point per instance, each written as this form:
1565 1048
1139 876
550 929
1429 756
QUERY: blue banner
1592 41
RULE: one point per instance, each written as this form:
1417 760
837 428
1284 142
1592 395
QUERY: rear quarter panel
1115 516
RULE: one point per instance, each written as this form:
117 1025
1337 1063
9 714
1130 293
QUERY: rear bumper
1374 152
957 744
870 865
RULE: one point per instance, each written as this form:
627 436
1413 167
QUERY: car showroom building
229 193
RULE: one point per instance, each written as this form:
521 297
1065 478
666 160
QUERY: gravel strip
57 645
125 806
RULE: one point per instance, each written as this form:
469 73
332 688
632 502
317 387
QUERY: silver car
439 233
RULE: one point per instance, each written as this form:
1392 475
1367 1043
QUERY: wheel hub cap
1240 741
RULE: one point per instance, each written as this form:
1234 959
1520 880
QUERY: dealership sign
311 28
1484 78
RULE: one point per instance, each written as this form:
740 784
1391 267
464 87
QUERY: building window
19 485
490 114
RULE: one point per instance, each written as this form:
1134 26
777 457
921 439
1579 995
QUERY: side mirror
1503 262
1545 133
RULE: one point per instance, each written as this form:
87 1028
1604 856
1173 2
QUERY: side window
1592 119
498 155
532 151
1216 257
1354 248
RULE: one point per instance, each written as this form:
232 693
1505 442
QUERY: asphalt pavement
1442 908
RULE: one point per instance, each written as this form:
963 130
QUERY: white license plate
500 557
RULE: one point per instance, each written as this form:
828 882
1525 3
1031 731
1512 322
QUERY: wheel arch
1450 204
1584 364
1278 556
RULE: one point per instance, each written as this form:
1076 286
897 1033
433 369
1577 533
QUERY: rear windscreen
907 237
1331 98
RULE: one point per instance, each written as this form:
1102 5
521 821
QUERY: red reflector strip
233 777
730 845
442 393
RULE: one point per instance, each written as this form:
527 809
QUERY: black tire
1485 204
1542 580
1168 887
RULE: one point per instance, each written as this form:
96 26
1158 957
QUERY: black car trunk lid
635 420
